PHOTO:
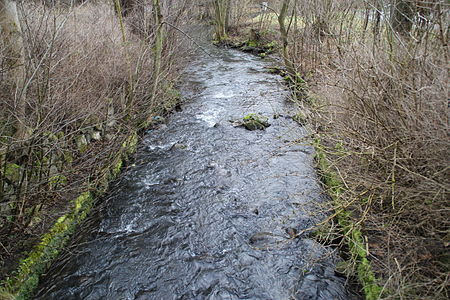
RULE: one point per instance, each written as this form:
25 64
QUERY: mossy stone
51 136
252 44
56 181
82 143
96 136
13 172
255 122
68 157
271 44
60 135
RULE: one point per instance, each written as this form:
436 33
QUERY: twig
189 37
6 250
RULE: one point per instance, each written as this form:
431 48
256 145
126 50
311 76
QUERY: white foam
210 117
222 95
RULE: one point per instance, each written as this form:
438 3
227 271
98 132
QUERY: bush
385 121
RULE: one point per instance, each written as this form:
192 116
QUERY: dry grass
75 63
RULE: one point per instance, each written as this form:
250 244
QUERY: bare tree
284 31
11 34
126 6
221 13
158 47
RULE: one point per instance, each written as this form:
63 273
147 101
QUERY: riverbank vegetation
78 79
373 77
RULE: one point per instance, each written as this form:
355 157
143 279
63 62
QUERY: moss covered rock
13 172
255 122
82 143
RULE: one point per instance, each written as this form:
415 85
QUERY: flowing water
208 209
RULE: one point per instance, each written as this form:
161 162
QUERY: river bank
84 109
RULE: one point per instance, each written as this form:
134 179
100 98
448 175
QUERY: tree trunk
366 20
11 34
402 16
377 21
158 47
284 38
221 14
126 6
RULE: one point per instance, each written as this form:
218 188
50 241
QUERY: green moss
81 202
340 149
117 167
252 44
130 143
128 147
4 295
26 278
13 172
351 232
274 70
371 289
23 282
60 135
174 97
299 79
44 162
51 137
249 117
255 122
269 47
271 44
82 143
68 157
56 181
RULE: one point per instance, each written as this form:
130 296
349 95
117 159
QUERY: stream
207 209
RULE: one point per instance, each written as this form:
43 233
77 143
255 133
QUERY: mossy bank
348 229
23 282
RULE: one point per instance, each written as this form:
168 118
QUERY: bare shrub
386 123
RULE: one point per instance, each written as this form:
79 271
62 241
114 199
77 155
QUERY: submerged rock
265 240
179 146
322 283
